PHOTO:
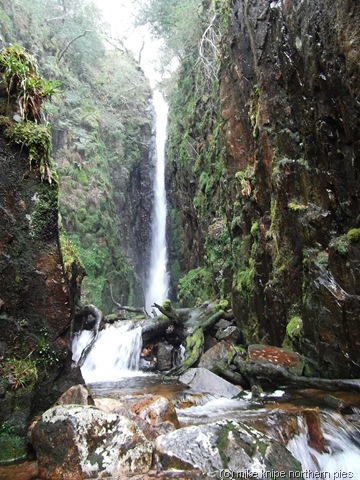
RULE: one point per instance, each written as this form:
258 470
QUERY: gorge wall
36 304
101 121
264 185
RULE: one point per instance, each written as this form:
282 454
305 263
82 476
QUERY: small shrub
19 372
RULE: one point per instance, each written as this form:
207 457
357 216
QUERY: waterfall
158 281
116 352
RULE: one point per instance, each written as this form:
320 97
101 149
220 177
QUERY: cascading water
158 282
116 352
342 458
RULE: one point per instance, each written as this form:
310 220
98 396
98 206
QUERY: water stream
112 370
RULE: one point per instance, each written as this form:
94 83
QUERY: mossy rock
12 448
354 235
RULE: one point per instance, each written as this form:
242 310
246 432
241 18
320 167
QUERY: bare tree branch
127 309
71 42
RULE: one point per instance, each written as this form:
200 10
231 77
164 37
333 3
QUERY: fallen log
223 370
194 347
268 374
155 328
167 310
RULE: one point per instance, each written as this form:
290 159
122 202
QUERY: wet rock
202 380
22 471
338 404
75 442
76 395
227 330
222 445
285 422
109 405
274 355
164 356
156 410
112 405
221 352
230 333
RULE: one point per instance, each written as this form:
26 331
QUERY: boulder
109 405
74 442
223 445
150 430
76 395
156 410
221 352
285 422
164 356
230 333
202 380
274 355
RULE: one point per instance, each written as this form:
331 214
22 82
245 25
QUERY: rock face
35 305
74 442
284 212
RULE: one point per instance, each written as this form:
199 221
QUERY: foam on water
116 353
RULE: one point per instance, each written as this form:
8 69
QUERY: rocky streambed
198 426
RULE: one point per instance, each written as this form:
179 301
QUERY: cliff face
287 204
35 303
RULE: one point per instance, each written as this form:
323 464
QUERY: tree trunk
277 376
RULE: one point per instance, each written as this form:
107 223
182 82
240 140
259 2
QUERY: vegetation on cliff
101 129
35 313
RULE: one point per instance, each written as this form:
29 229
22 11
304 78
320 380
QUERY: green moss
222 442
322 258
295 206
167 305
69 253
12 448
195 287
82 177
37 139
193 347
222 305
44 216
20 72
354 235
254 229
244 282
294 328
247 181
341 244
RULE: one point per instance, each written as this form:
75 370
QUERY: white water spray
115 354
158 281
342 458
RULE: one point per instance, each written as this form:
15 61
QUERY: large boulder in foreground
224 445
74 442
